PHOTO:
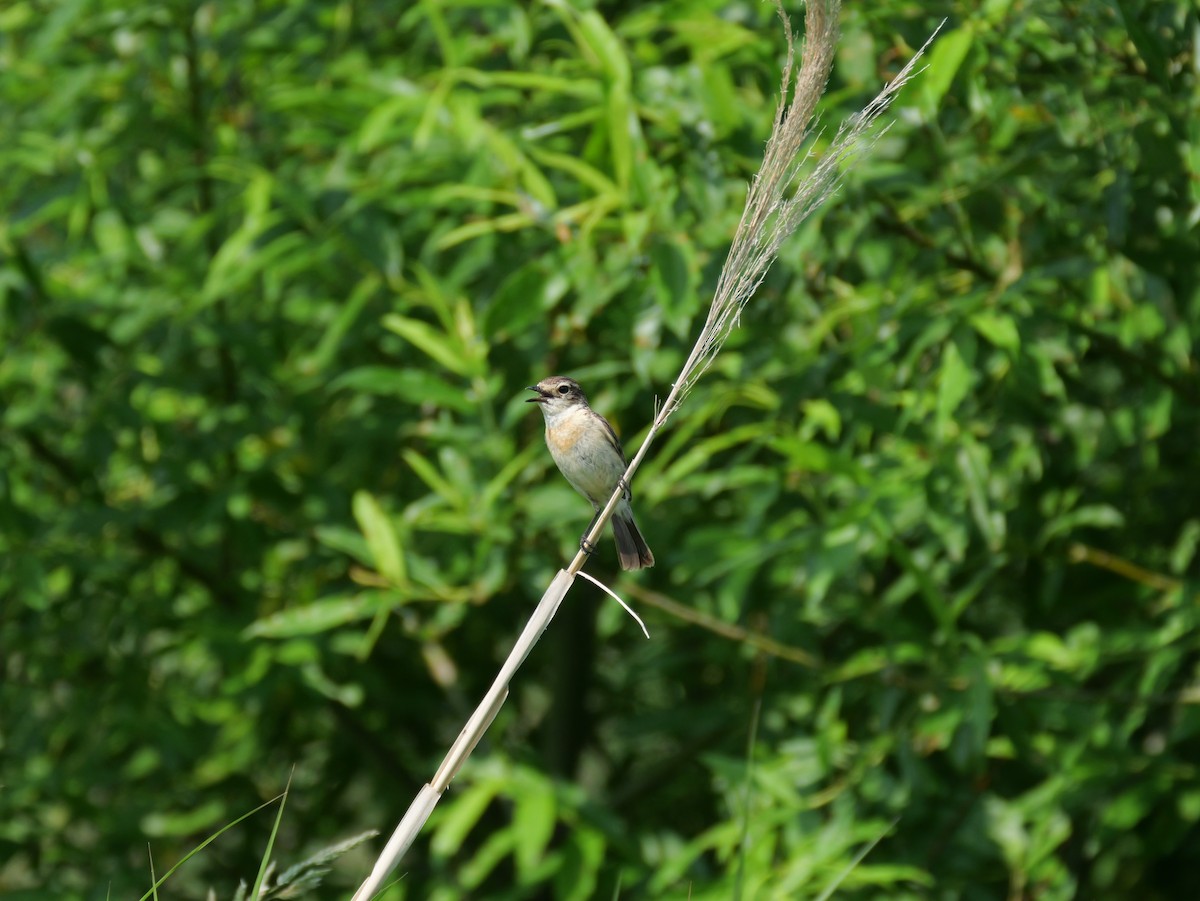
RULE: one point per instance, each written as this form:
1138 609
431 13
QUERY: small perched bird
587 452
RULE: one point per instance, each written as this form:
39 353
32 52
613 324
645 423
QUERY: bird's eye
563 389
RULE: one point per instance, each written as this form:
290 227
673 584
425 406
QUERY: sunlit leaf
381 537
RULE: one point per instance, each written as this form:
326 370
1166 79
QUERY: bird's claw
586 546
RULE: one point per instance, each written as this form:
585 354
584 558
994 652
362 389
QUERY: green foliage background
272 278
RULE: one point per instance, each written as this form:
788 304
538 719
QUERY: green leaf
412 385
955 379
821 414
942 64
461 815
429 474
623 135
442 348
1091 516
323 615
604 47
1000 330
586 174
345 541
381 538
522 299
973 466
337 330
379 126
534 819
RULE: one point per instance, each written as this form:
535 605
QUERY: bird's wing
612 437
616 443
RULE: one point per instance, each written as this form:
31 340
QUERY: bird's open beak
540 399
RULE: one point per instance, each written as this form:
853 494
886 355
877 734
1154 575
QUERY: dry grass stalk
778 201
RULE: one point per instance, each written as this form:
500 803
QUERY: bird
588 454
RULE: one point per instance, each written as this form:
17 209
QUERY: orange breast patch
565 434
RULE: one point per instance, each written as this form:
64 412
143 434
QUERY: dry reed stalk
778 201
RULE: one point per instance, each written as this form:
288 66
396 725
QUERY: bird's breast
566 430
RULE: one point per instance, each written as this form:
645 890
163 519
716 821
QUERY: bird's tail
631 546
